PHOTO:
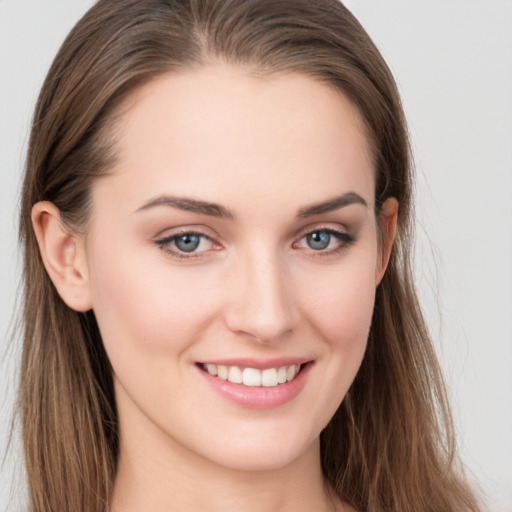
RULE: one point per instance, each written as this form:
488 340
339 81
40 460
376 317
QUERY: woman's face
235 236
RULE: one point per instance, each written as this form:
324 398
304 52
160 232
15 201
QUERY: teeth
212 369
290 372
281 375
252 377
269 378
235 375
222 372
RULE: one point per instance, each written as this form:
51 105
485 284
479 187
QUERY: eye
319 240
186 244
325 240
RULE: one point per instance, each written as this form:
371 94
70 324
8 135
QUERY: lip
258 397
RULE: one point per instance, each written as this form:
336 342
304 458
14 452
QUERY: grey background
453 62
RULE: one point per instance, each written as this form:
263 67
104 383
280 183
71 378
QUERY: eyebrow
217 210
189 205
331 205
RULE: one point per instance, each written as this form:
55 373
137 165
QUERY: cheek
340 303
338 306
148 309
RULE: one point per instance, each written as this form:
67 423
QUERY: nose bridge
262 306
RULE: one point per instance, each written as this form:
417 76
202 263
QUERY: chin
263 453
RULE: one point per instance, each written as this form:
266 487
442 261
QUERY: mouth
257 384
253 377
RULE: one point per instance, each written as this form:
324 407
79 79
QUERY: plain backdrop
453 62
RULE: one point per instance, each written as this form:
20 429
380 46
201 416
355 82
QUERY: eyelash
345 240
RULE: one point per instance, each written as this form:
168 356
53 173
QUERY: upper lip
259 364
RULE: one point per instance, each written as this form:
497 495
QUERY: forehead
219 129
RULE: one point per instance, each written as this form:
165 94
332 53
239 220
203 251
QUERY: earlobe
63 256
388 224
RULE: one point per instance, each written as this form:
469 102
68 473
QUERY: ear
388 221
63 256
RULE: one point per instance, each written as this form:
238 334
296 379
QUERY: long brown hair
390 445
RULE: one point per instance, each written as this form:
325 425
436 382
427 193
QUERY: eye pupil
318 240
187 243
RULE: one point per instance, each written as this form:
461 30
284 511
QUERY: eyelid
185 229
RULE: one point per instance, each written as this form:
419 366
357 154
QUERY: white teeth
281 375
269 378
235 375
211 369
222 372
290 372
253 377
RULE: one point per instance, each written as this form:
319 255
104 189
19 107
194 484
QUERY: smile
252 377
257 384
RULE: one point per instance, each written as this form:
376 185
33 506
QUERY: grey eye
319 240
187 243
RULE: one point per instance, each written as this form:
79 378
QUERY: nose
262 305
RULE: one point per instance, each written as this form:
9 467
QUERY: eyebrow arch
332 204
216 210
189 205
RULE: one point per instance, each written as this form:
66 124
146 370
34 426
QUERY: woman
219 311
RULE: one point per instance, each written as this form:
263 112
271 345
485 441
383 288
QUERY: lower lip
259 397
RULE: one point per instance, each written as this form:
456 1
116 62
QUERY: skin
264 149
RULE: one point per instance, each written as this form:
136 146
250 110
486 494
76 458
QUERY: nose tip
262 307
266 328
